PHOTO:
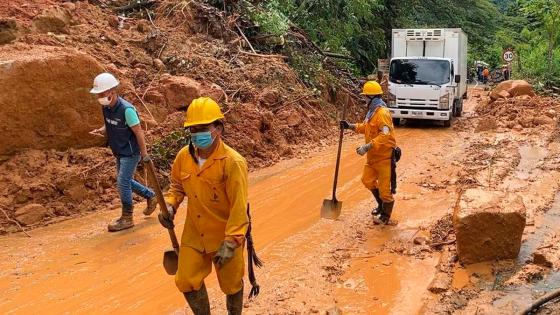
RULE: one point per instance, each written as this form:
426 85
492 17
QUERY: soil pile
37 186
518 113
164 55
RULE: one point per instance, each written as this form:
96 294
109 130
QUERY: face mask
202 140
105 101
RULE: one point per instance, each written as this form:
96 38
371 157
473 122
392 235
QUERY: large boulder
512 88
179 91
44 98
488 225
54 19
31 213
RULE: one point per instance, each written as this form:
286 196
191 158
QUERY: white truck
427 74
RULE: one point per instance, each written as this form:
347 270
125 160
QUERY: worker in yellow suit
379 145
213 177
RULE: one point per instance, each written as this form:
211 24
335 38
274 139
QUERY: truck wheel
459 109
455 107
396 122
447 123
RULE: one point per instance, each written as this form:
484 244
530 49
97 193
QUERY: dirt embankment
164 57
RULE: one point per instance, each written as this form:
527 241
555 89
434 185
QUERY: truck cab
427 75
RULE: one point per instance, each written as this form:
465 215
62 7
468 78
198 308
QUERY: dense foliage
362 28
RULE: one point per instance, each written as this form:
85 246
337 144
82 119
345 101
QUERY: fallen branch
538 303
291 102
339 56
443 243
94 167
16 222
135 5
262 56
245 38
145 106
544 247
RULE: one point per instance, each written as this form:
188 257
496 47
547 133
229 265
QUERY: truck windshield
420 71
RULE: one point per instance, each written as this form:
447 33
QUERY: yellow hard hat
372 88
203 111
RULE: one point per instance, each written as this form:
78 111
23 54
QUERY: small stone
543 259
420 240
334 311
30 214
69 6
441 283
143 26
113 21
159 64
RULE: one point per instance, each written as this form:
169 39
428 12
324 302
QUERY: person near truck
126 139
485 75
213 177
380 144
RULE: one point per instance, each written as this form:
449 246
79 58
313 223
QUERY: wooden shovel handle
161 201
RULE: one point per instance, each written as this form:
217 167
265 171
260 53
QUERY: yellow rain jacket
383 143
217 198
380 132
216 211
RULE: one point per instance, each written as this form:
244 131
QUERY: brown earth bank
164 57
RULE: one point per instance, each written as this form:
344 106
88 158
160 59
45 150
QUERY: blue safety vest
121 139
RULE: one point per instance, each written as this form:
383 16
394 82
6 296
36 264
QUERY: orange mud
76 267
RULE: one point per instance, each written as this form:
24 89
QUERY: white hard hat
104 82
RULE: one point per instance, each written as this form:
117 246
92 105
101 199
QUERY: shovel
170 256
331 207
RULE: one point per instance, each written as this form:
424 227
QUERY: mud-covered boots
377 197
151 204
122 223
235 303
198 301
385 215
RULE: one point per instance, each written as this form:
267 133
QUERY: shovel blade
170 262
331 209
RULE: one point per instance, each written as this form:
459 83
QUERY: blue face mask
202 140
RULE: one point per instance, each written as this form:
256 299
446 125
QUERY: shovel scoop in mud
170 256
332 207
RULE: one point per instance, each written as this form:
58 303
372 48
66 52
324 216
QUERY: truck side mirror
458 79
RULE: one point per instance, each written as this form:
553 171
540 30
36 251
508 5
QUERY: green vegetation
362 28
164 150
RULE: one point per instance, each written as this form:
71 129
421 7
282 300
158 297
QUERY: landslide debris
164 55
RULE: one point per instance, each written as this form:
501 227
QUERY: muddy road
311 265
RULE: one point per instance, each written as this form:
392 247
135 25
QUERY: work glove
167 222
363 149
346 125
146 158
224 254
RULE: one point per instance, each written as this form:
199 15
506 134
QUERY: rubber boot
151 204
122 223
377 197
385 215
235 303
198 301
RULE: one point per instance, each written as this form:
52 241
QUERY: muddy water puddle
521 296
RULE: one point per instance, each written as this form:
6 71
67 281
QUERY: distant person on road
126 140
381 150
506 73
479 71
485 75
213 177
